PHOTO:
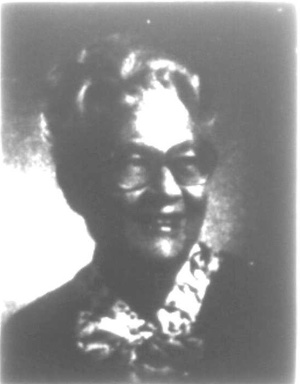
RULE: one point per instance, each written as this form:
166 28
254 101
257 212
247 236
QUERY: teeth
165 229
165 225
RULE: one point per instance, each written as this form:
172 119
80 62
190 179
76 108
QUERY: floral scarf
164 347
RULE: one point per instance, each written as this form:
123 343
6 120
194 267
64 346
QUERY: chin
158 249
157 243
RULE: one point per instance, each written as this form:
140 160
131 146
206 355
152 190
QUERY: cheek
127 200
195 196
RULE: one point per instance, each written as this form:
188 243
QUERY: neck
142 283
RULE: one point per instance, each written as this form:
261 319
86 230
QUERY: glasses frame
156 160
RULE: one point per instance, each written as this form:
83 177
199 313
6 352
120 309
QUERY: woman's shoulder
233 288
41 332
229 318
234 270
41 309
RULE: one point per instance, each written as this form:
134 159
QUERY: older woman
131 144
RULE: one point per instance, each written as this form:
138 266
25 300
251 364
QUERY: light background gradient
245 53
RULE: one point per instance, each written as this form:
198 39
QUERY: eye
134 159
131 170
131 162
187 170
185 163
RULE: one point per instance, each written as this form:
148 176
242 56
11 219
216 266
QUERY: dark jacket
38 341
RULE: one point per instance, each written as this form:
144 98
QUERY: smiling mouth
162 224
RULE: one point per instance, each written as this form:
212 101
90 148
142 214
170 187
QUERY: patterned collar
165 346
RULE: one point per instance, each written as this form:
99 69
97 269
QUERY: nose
167 185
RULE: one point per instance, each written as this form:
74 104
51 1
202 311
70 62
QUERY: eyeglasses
137 166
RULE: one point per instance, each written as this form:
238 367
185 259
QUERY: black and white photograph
148 192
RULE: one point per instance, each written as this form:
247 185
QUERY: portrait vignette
245 55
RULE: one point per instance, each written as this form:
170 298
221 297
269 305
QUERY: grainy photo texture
148 189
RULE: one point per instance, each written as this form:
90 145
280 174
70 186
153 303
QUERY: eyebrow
136 146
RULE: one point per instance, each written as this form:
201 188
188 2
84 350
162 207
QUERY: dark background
245 54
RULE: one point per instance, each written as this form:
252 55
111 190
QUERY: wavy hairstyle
89 99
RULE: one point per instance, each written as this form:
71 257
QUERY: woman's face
158 217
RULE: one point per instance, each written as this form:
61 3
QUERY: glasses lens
131 172
135 170
187 171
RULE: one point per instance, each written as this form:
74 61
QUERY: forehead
160 120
